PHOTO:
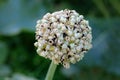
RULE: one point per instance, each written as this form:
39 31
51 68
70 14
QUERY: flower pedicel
63 37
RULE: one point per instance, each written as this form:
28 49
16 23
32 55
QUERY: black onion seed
64 35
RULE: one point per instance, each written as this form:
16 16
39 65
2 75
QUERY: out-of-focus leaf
16 15
100 44
105 52
5 70
102 7
3 52
116 5
112 56
71 71
94 56
19 76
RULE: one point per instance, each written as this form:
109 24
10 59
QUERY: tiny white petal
44 21
38 21
72 60
70 32
72 45
47 47
64 46
63 28
72 38
63 19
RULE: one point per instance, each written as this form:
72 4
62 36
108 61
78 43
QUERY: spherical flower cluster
63 37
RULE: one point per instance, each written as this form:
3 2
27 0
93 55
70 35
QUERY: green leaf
3 52
5 70
18 15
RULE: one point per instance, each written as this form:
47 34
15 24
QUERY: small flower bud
64 46
63 19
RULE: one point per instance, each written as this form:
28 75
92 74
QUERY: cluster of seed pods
63 37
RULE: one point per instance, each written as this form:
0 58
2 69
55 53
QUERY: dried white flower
63 37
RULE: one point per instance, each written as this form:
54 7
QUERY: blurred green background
18 57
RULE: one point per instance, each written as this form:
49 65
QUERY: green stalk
51 71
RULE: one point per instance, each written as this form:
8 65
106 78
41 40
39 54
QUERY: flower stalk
51 71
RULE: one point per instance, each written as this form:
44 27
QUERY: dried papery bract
63 37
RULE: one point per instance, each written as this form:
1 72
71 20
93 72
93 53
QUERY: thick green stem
51 71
